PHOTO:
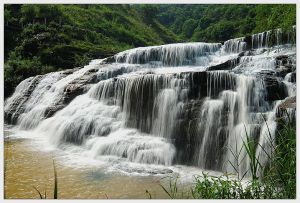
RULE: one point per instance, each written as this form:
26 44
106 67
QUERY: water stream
154 111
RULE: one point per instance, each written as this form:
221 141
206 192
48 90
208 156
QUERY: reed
55 189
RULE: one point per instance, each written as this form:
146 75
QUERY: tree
149 12
29 13
188 27
7 16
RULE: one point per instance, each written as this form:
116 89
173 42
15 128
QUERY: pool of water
26 168
29 164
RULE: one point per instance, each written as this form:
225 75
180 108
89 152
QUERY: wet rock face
72 90
227 65
186 138
275 89
50 111
75 88
108 60
17 106
286 113
198 86
284 65
289 102
69 71
293 77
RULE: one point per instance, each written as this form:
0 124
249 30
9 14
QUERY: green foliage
250 146
221 22
281 171
275 16
18 68
148 12
221 187
173 189
188 27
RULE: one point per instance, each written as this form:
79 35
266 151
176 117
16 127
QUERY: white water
134 117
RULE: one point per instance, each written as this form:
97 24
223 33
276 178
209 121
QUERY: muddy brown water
26 168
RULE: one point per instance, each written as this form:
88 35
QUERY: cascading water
235 45
162 105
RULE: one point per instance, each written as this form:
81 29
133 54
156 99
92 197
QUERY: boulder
287 108
227 65
282 71
50 111
288 103
282 58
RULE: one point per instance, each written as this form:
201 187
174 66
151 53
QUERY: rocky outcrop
284 65
227 65
110 59
73 89
286 114
292 77
186 130
275 89
286 107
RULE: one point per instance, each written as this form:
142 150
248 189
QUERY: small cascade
261 40
267 139
274 37
235 45
134 147
168 55
38 102
278 36
179 104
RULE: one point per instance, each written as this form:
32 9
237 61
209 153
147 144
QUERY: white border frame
131 2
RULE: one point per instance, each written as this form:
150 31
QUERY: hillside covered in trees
45 38
213 23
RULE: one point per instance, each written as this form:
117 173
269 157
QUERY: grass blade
41 197
55 196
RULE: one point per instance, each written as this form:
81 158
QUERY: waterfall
168 55
163 105
235 45
261 40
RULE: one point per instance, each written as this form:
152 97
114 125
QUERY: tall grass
55 189
175 190
250 146
281 171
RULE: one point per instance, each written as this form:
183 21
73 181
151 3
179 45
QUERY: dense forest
45 38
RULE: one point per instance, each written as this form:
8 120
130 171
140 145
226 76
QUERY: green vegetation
213 23
45 38
281 171
55 190
278 180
